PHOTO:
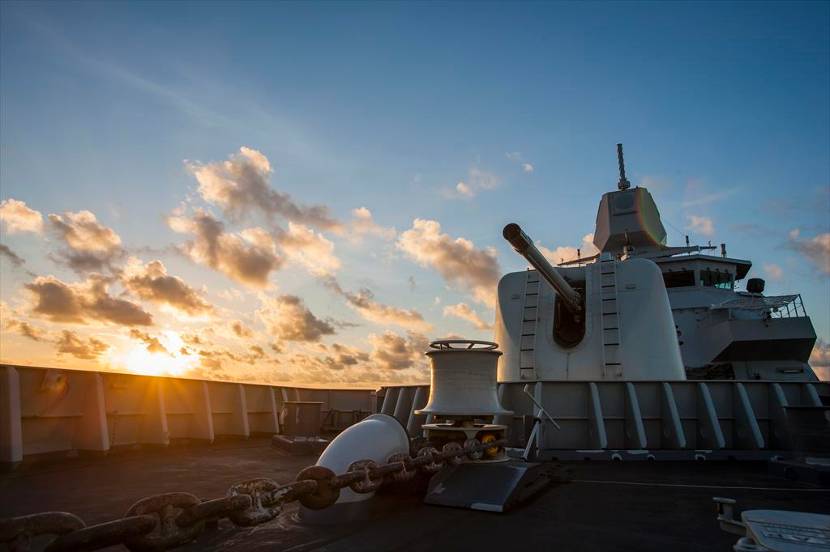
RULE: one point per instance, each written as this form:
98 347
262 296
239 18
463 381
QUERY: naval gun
569 318
523 245
607 320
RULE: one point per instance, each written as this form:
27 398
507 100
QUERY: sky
309 192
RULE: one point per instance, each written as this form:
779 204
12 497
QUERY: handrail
471 344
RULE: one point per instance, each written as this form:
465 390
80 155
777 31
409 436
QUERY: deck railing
774 306
48 410
791 309
644 419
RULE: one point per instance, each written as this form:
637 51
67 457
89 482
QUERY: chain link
406 471
163 521
104 534
259 508
17 532
370 480
213 510
166 533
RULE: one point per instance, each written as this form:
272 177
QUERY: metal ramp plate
494 487
785 531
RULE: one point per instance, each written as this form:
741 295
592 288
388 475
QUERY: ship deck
604 506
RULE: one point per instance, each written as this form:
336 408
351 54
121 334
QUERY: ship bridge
724 333
701 271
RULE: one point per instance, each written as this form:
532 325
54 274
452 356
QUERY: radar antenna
623 184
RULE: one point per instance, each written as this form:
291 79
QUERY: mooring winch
462 411
463 401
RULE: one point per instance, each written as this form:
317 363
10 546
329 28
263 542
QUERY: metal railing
790 309
776 306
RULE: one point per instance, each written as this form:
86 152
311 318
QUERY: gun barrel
523 245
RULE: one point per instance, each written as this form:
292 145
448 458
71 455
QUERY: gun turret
523 245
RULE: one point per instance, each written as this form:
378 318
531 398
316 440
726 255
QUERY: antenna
623 184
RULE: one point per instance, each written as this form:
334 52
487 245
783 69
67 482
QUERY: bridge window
682 278
711 278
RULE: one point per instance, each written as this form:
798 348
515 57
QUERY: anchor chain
164 521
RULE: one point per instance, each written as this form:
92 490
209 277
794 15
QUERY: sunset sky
309 193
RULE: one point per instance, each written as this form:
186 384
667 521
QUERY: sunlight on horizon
139 360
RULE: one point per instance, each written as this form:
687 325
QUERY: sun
138 360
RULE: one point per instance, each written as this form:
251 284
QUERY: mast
623 184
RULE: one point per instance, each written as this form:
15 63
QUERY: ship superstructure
722 333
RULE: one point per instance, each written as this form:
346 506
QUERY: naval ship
629 401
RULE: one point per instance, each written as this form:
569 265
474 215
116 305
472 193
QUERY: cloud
212 365
152 283
192 339
153 344
337 358
348 356
19 218
241 330
92 246
815 249
820 359
773 272
464 190
364 303
251 255
363 224
517 157
69 343
476 181
287 318
464 312
240 186
457 260
25 329
212 359
83 262
565 253
701 225
84 302
309 249
82 232
13 257
231 294
391 351
248 257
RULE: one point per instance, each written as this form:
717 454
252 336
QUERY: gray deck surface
599 510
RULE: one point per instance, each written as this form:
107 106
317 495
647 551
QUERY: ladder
530 317
611 360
